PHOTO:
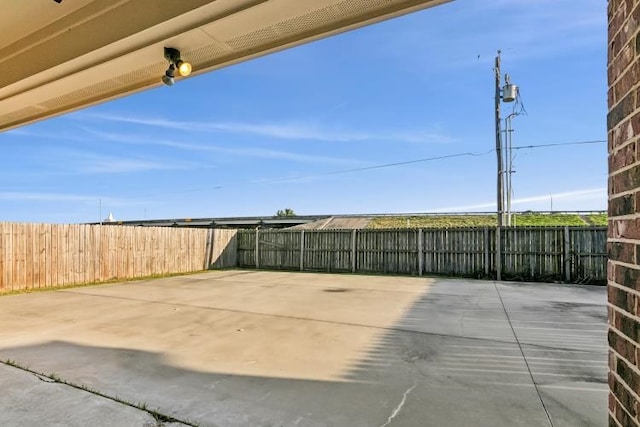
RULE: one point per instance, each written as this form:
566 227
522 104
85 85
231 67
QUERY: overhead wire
379 166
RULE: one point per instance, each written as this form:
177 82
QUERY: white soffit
61 57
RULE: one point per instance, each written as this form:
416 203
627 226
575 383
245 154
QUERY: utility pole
500 193
507 94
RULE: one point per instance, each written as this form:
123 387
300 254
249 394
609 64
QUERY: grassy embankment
521 220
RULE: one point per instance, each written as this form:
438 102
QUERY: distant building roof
239 222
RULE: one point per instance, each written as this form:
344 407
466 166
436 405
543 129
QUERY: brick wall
623 276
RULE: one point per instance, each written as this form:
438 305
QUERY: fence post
498 254
420 251
302 251
567 255
487 252
209 250
353 250
257 248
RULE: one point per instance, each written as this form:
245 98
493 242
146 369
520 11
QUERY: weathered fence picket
45 255
576 254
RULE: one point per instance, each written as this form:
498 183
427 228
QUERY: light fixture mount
171 54
167 79
175 63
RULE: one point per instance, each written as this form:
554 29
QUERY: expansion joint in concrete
54 378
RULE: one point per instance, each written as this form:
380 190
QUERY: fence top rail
412 229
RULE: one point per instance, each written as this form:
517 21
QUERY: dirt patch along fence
568 254
47 255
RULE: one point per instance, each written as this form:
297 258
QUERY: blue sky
270 133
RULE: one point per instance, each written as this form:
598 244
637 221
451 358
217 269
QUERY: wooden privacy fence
45 255
569 254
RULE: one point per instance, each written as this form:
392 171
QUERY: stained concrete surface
252 348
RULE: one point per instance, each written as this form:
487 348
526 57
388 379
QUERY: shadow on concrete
452 359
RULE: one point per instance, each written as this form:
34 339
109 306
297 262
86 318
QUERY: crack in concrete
53 378
398 408
524 357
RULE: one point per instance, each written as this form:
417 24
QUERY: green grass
434 221
548 220
520 220
105 282
598 219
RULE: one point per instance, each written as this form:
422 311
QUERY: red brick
622 417
616 19
627 277
634 130
612 421
624 153
627 374
620 251
624 205
624 397
623 60
625 156
625 228
623 109
623 346
626 180
629 327
623 133
623 23
622 299
616 16
627 81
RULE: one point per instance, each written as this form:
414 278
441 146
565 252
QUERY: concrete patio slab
255 348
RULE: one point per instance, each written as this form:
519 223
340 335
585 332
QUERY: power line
430 159
382 166
559 144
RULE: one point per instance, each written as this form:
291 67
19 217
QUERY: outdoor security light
184 68
167 79
173 56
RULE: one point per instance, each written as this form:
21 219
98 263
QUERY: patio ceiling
59 57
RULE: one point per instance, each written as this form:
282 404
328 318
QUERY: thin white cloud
585 194
114 165
243 151
34 135
90 163
27 196
55 198
287 131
